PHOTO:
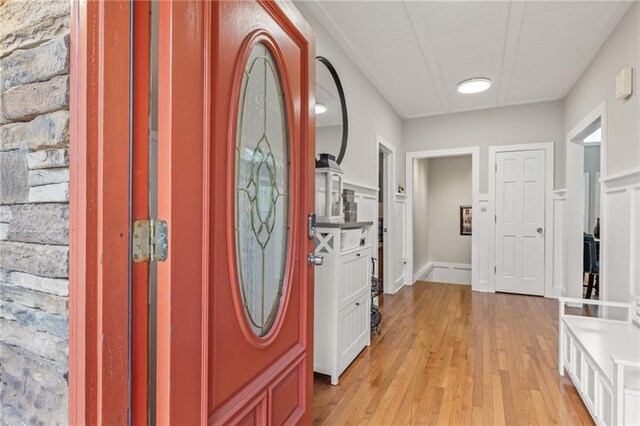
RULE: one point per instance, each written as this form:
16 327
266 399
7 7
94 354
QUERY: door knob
314 260
539 230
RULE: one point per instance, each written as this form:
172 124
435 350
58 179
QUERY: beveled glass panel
261 190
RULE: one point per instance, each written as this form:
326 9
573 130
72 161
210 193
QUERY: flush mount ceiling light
321 108
474 85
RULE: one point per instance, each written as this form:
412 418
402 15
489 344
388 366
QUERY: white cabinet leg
334 380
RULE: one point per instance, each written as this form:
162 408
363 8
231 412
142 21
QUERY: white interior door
520 219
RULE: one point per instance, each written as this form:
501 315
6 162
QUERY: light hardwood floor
450 356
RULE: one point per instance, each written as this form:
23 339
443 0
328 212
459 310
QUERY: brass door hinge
150 240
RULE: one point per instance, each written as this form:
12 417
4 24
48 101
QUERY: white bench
602 357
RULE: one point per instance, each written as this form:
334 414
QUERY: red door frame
140 187
99 212
183 54
99 218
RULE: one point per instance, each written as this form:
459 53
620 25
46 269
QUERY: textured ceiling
416 52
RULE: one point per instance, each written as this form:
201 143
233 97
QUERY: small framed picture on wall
465 220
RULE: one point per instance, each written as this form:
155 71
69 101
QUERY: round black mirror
331 112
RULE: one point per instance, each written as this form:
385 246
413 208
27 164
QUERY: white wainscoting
559 203
620 236
482 224
446 272
400 229
367 199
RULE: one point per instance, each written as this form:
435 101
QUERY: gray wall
369 113
532 123
449 188
420 214
34 212
597 84
440 187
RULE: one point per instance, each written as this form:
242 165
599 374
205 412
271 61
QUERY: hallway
451 357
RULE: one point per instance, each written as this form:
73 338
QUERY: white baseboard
398 284
447 272
422 272
557 292
483 286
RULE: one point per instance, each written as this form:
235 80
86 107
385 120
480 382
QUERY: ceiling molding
516 16
511 104
428 52
336 33
605 30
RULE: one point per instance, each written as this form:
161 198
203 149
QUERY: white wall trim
423 271
627 177
397 285
622 199
560 194
429 268
559 204
474 151
548 216
389 164
574 207
361 187
583 124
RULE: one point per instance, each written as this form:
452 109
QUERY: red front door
236 165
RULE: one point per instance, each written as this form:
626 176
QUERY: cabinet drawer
353 277
355 254
353 330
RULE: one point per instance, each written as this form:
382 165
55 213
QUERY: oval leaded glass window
261 190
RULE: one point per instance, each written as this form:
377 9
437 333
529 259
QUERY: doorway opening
586 155
442 193
591 244
420 264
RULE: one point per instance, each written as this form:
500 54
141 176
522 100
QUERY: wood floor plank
449 356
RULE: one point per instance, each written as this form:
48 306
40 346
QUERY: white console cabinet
342 308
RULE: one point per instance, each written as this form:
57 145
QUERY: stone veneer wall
34 211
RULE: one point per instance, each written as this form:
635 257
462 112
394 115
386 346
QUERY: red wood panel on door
270 373
216 362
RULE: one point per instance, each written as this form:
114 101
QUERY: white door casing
399 263
390 234
410 157
520 221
